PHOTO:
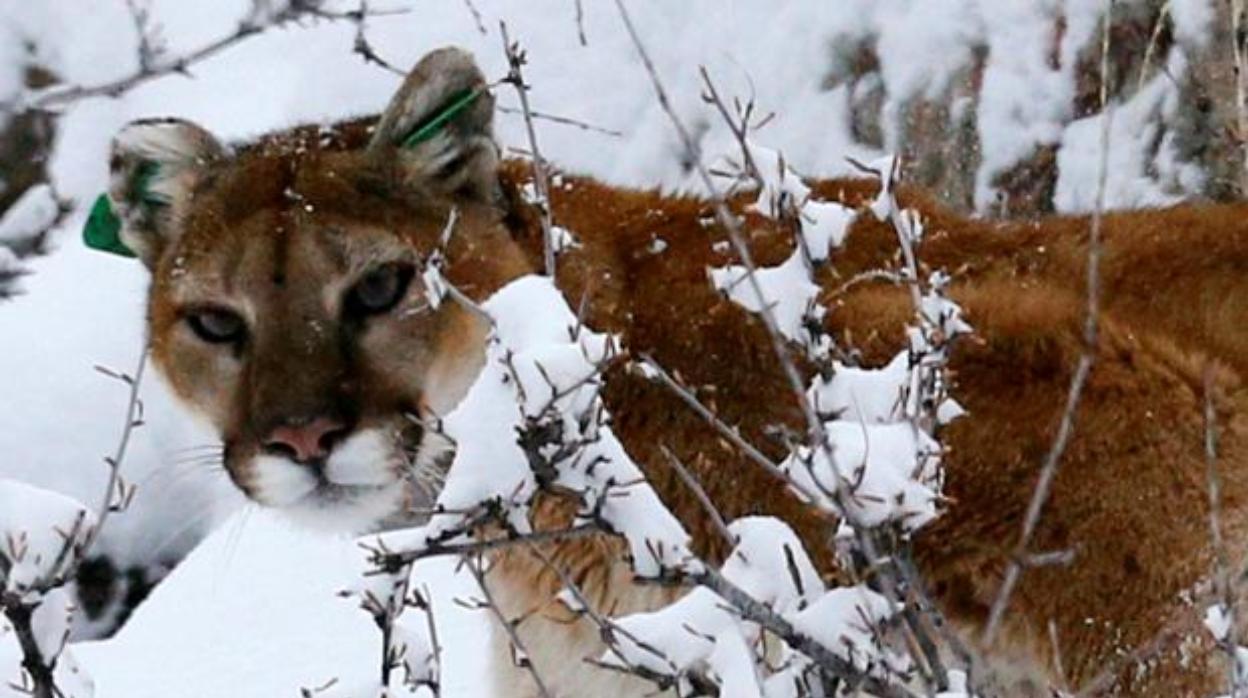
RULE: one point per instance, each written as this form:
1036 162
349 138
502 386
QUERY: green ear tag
426 129
103 229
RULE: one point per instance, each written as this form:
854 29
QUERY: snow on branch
534 419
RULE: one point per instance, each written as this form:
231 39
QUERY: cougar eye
379 290
216 325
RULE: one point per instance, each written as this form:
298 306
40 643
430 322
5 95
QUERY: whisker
193 460
201 447
235 536
177 474
173 536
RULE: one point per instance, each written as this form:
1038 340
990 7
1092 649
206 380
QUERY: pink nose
305 442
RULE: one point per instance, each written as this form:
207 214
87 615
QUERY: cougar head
287 302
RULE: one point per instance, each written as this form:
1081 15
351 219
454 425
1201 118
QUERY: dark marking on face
281 253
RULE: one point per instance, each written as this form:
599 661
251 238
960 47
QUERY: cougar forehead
277 235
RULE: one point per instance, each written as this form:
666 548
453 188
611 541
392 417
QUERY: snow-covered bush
534 421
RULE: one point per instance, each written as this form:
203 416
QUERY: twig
1153 41
149 48
608 629
566 121
691 482
254 24
1090 330
580 23
758 612
729 432
509 627
362 47
476 16
385 560
1056 648
116 495
435 646
740 127
515 61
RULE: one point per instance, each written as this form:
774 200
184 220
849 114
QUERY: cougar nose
306 440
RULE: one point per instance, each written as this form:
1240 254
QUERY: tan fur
1129 499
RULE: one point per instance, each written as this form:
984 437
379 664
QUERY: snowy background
987 100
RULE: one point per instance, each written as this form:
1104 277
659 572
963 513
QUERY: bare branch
758 612
691 482
476 16
564 120
580 23
509 626
78 541
362 47
255 23
1048 471
386 560
729 432
515 61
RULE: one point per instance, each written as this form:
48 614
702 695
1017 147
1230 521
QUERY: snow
702 631
883 472
824 227
1134 127
35 526
770 564
50 622
863 395
1218 622
846 620
1192 21
684 633
82 308
32 213
786 289
259 613
541 377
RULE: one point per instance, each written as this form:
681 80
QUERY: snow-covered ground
259 615
253 610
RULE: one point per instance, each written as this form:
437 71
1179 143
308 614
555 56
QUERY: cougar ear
153 169
439 126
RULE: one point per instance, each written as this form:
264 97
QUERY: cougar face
288 304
